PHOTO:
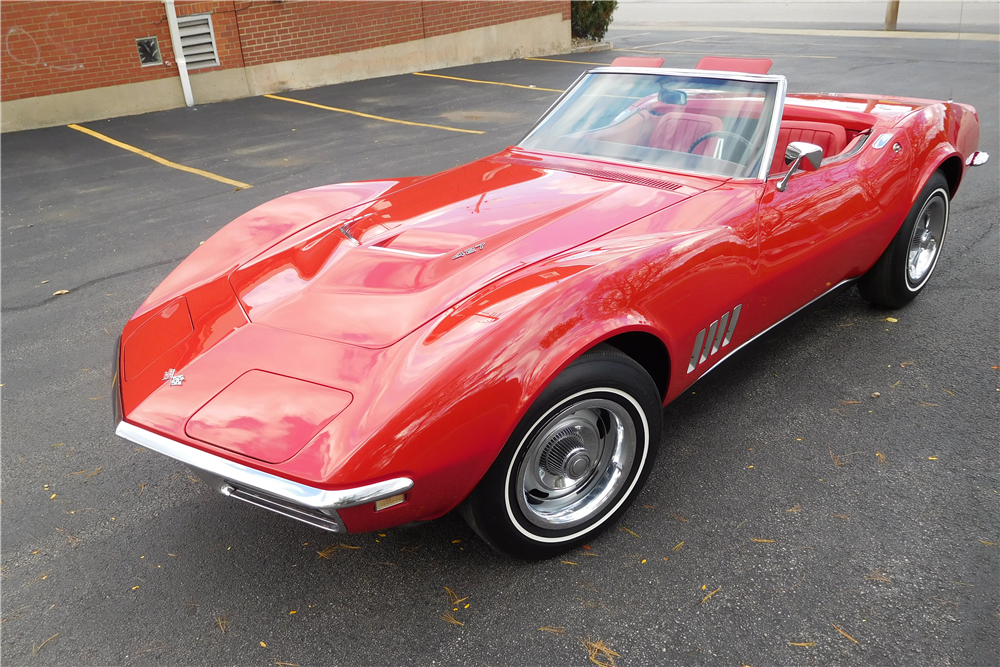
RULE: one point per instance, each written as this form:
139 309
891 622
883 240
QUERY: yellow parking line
157 158
368 115
724 55
572 62
492 83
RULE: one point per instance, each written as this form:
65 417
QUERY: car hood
372 274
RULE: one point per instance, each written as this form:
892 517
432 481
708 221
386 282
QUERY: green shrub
591 19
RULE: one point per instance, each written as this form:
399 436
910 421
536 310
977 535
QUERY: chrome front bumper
317 507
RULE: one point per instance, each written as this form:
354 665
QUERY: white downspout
175 40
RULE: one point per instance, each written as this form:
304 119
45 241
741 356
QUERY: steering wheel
722 134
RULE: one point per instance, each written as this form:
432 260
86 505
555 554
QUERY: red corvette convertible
501 337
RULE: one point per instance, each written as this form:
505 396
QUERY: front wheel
574 463
906 265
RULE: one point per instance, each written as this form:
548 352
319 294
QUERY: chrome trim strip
697 349
708 341
241 475
722 332
407 253
772 136
700 73
732 325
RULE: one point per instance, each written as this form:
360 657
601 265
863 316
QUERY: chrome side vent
596 173
719 336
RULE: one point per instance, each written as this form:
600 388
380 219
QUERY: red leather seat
832 138
676 131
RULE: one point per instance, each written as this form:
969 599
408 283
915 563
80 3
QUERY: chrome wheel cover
576 463
925 240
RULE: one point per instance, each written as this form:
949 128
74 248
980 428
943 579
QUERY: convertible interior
703 125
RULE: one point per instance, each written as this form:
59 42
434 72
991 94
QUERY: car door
813 235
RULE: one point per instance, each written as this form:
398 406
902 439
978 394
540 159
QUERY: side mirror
800 154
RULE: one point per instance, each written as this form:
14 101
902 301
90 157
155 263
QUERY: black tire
894 281
572 450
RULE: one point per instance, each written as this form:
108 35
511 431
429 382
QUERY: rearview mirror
668 96
800 154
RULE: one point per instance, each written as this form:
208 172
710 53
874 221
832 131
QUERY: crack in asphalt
30 306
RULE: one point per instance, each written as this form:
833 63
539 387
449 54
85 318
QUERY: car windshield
693 123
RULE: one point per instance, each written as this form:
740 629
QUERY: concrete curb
594 48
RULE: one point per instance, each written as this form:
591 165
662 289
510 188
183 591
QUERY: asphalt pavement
792 518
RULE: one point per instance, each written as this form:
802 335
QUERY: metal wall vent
587 171
198 41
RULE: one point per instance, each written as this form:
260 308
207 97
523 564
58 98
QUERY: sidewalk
975 16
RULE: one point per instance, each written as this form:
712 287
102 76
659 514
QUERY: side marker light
385 503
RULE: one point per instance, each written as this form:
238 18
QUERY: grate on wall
598 173
198 41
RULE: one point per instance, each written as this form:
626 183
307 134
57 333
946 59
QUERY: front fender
469 376
262 227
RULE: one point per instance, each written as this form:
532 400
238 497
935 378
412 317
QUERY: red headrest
747 65
626 61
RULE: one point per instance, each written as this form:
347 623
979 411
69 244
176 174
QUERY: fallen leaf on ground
802 643
326 553
948 392
567 562
907 363
845 634
754 539
797 508
679 517
891 319
989 544
36 649
710 595
60 292
878 576
881 457
222 622
453 598
599 652
678 547
450 619
842 516
849 402
630 532
553 630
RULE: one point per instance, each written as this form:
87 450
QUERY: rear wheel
907 264
574 463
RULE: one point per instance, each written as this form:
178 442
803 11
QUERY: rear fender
956 138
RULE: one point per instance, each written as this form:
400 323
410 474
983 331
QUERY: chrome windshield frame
772 129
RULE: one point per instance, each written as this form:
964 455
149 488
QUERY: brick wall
58 47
